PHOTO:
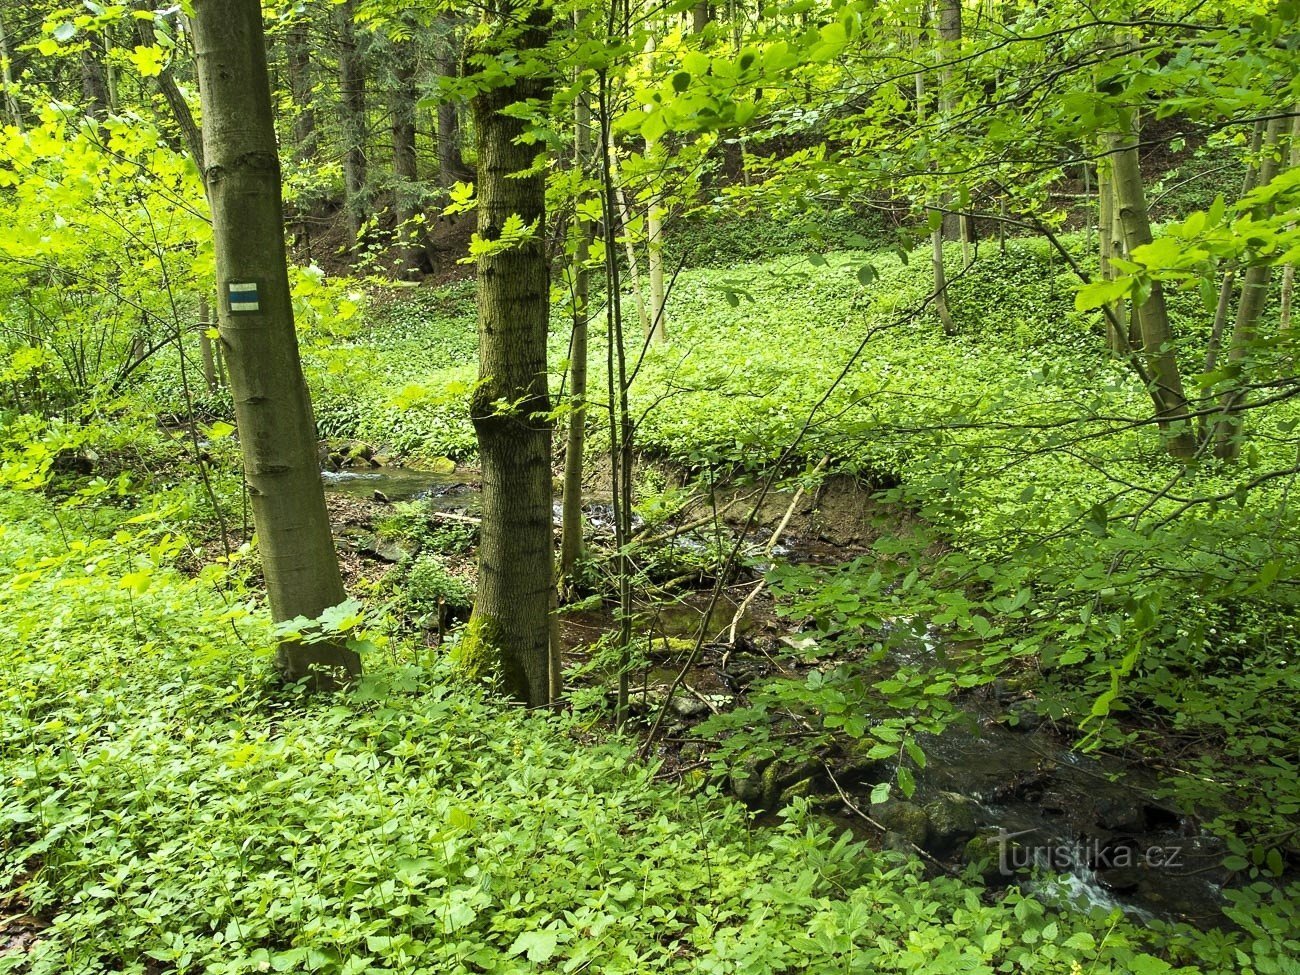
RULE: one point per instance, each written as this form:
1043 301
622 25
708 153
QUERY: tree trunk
508 635
7 79
191 139
654 233
1166 385
352 121
298 68
1254 293
451 166
205 347
1227 288
1109 247
701 14
411 238
629 248
1288 272
575 443
936 235
94 81
272 408
955 225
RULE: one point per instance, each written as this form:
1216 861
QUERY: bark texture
508 636
352 120
1165 381
272 409
191 139
1254 293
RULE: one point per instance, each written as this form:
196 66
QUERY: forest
669 486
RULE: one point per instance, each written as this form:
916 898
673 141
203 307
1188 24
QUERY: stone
784 773
953 822
746 781
1121 813
799 790
904 818
688 706
857 767
896 843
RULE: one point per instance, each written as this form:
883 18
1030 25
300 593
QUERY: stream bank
1002 795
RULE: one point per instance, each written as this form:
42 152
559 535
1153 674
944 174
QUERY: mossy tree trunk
272 409
508 636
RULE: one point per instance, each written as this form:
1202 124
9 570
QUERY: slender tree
272 409
406 187
352 119
1165 381
571 520
1254 292
508 635
451 164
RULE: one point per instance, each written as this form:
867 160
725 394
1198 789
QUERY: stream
1071 827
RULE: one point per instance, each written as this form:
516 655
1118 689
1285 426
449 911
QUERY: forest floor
168 809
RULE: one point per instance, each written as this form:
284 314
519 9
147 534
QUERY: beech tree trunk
1227 288
1166 385
508 636
1109 247
272 409
94 80
1254 293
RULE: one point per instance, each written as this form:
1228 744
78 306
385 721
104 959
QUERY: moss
477 654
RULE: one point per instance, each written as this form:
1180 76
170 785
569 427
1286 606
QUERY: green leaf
914 750
538 945
1097 294
906 781
681 81
149 61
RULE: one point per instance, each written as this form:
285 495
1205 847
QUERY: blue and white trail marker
243 297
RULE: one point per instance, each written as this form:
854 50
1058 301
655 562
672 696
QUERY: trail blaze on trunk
272 410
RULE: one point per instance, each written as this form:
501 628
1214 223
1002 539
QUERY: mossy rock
746 779
906 819
858 767
802 789
953 822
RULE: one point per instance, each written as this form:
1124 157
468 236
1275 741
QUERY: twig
767 550
853 807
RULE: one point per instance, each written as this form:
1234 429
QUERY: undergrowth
166 810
